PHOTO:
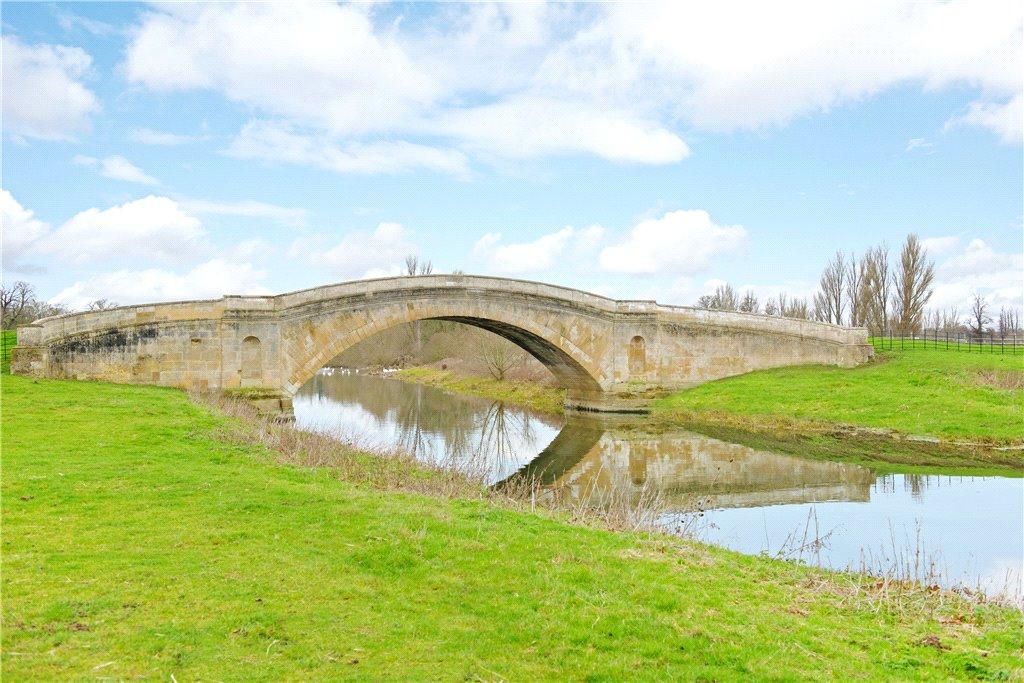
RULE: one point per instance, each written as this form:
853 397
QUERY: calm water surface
964 530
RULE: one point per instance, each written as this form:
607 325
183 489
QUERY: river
954 530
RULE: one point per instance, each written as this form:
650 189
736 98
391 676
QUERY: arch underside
569 373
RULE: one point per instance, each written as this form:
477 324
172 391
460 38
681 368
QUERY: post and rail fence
951 341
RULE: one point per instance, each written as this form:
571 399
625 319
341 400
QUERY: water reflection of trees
915 484
472 434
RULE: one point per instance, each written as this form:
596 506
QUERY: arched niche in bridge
251 363
637 355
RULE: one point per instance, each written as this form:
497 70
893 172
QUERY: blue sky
178 151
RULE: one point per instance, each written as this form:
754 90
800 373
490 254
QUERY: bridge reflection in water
588 460
594 460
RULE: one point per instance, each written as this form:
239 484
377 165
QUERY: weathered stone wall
609 354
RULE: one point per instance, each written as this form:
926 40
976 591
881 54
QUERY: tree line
873 291
19 305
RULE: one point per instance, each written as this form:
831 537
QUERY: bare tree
19 305
15 302
499 356
723 299
749 302
979 315
829 304
771 308
877 289
726 298
797 308
1009 322
857 291
413 266
782 302
950 320
912 285
706 301
101 305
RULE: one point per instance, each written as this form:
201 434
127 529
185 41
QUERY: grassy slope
138 543
531 395
924 392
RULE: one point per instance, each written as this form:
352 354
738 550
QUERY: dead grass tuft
1009 380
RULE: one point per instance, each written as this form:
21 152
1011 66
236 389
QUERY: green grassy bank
968 406
140 541
951 395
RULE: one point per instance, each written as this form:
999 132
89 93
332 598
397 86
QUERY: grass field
139 542
947 394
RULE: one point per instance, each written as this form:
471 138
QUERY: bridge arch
572 368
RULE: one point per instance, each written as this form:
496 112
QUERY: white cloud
330 68
393 270
977 259
116 167
295 218
543 253
940 245
918 143
384 93
43 96
276 142
70 21
526 127
681 242
1005 119
321 63
21 231
208 280
999 276
162 139
811 56
151 227
359 254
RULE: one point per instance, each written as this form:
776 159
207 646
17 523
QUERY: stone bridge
610 355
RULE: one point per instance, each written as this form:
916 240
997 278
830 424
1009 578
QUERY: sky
176 151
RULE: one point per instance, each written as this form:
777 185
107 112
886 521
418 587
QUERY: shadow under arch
569 371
